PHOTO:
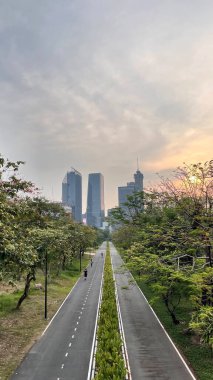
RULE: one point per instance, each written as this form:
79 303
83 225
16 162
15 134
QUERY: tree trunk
204 297
29 278
63 262
209 255
171 312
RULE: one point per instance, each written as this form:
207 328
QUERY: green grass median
109 360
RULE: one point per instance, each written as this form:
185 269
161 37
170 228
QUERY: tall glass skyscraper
95 200
72 193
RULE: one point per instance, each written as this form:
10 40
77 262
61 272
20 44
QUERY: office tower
130 188
124 192
95 200
138 176
72 193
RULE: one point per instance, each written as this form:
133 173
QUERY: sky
94 84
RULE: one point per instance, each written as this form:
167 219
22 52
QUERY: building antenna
137 165
52 194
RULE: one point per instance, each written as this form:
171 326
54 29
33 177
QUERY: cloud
94 85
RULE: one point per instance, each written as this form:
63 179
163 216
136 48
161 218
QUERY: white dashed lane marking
79 317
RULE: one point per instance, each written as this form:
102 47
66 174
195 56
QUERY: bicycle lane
152 355
63 351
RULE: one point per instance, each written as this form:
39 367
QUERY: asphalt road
151 354
63 352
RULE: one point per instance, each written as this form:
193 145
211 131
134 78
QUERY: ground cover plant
109 359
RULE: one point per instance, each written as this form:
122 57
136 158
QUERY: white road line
73 336
70 344
65 301
79 317
179 354
62 366
95 332
121 328
77 323
66 354
59 308
75 329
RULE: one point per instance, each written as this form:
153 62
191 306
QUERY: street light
80 259
45 286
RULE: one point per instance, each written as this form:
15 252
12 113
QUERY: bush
109 360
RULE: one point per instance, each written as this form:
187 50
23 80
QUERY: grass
197 356
19 329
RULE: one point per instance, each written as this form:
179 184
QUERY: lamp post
45 286
80 256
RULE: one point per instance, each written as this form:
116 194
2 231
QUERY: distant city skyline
98 84
95 208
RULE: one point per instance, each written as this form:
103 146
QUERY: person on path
85 273
91 262
102 254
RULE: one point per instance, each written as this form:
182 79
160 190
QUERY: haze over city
93 85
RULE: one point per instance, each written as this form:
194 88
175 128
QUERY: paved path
151 354
63 352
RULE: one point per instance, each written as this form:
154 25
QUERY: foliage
167 235
109 360
30 226
202 323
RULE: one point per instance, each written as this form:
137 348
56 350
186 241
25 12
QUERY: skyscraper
124 191
95 200
138 176
72 193
130 188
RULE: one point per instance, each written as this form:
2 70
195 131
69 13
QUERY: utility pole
80 254
45 286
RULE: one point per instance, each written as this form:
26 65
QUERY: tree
30 227
202 323
174 226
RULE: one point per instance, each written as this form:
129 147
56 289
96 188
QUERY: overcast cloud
93 84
